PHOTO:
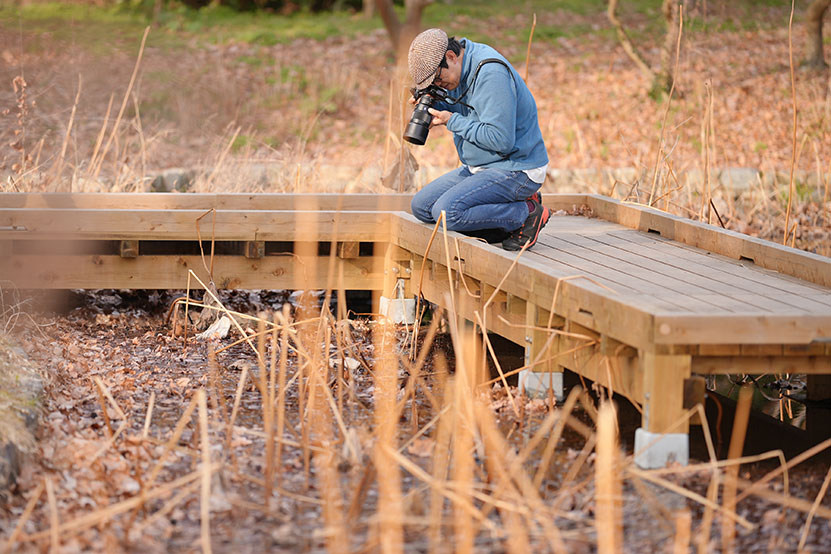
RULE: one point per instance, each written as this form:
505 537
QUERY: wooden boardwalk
632 298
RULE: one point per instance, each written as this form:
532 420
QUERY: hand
439 117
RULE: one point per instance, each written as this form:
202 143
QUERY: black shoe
536 197
530 230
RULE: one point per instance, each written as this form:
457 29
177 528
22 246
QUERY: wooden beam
773 329
204 202
171 272
761 364
182 225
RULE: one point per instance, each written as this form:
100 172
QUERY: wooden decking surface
666 277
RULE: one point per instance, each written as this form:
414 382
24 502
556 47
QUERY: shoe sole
546 214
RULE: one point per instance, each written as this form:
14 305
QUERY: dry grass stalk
609 495
683 527
707 502
54 522
554 437
791 189
796 460
528 50
669 102
461 501
390 511
337 538
24 517
171 442
728 528
105 514
281 385
463 424
820 495
205 471
517 539
57 167
149 415
441 459
95 165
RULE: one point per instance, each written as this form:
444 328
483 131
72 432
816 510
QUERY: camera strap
473 81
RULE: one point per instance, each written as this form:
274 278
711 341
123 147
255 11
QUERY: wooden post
663 437
663 388
349 250
254 249
543 372
128 248
818 420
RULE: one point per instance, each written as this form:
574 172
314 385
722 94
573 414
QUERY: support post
657 442
396 299
543 372
818 419
128 248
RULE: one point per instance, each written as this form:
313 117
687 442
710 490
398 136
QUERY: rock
173 179
739 179
22 385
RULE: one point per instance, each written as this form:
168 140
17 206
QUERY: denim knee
419 211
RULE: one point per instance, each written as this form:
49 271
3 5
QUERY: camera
419 125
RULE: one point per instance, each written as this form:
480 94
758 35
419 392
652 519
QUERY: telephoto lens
419 125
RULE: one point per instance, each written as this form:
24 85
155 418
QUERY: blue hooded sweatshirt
502 130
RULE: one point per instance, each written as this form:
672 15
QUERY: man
493 118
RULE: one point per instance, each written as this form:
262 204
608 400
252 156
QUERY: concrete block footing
537 383
654 450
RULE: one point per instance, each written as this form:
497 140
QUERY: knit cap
426 54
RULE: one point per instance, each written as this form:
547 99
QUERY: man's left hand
439 117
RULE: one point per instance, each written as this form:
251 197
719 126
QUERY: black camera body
419 125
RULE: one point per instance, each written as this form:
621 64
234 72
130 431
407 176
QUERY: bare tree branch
626 42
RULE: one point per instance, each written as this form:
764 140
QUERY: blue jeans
488 199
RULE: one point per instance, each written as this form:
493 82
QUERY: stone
656 450
174 179
739 179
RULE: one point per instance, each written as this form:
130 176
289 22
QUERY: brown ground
122 338
593 112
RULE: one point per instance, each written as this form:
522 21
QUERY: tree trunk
664 78
369 8
813 27
401 33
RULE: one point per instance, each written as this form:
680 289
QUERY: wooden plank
804 265
623 278
664 392
724 295
742 329
170 272
204 202
761 364
182 225
510 326
717 265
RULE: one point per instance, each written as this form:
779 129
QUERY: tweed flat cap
426 54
